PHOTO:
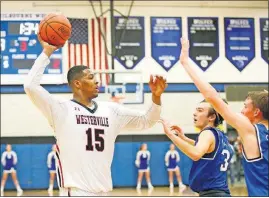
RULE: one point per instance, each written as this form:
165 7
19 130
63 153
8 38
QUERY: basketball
55 29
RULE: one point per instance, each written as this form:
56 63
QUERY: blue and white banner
165 40
264 38
239 41
204 40
129 40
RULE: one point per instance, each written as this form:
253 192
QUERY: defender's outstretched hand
47 48
178 130
166 127
184 55
157 85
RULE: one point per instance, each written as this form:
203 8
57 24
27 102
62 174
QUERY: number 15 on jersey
95 140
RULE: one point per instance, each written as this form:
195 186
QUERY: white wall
21 118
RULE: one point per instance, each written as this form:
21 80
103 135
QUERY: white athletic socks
150 186
50 187
138 186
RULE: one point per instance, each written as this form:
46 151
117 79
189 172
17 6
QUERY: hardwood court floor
158 191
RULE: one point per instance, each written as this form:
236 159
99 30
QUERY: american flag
87 47
78 44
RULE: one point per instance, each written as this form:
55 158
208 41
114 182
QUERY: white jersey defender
85 136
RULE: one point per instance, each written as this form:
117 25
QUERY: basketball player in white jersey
85 129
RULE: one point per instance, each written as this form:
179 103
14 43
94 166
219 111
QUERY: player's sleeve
41 98
3 159
49 160
137 120
14 157
137 161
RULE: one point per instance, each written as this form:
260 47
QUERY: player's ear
257 111
76 84
212 117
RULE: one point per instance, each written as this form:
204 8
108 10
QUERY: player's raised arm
236 120
137 120
38 95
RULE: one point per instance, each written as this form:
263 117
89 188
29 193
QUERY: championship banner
264 39
239 41
204 40
20 48
165 40
129 41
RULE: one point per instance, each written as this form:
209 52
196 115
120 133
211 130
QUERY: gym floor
158 191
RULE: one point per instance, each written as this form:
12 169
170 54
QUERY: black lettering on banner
129 41
204 40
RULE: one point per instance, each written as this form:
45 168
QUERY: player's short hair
75 72
219 119
260 101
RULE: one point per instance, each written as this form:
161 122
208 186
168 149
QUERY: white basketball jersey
85 137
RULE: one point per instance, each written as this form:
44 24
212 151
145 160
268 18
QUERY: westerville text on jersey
92 120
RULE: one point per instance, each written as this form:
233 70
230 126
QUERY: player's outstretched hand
47 48
157 85
178 130
184 55
166 127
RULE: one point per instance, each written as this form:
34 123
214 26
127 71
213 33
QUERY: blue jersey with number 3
257 170
210 172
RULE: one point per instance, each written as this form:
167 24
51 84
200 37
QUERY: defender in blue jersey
211 152
210 172
251 125
256 170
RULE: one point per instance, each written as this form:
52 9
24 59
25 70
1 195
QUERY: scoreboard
20 48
